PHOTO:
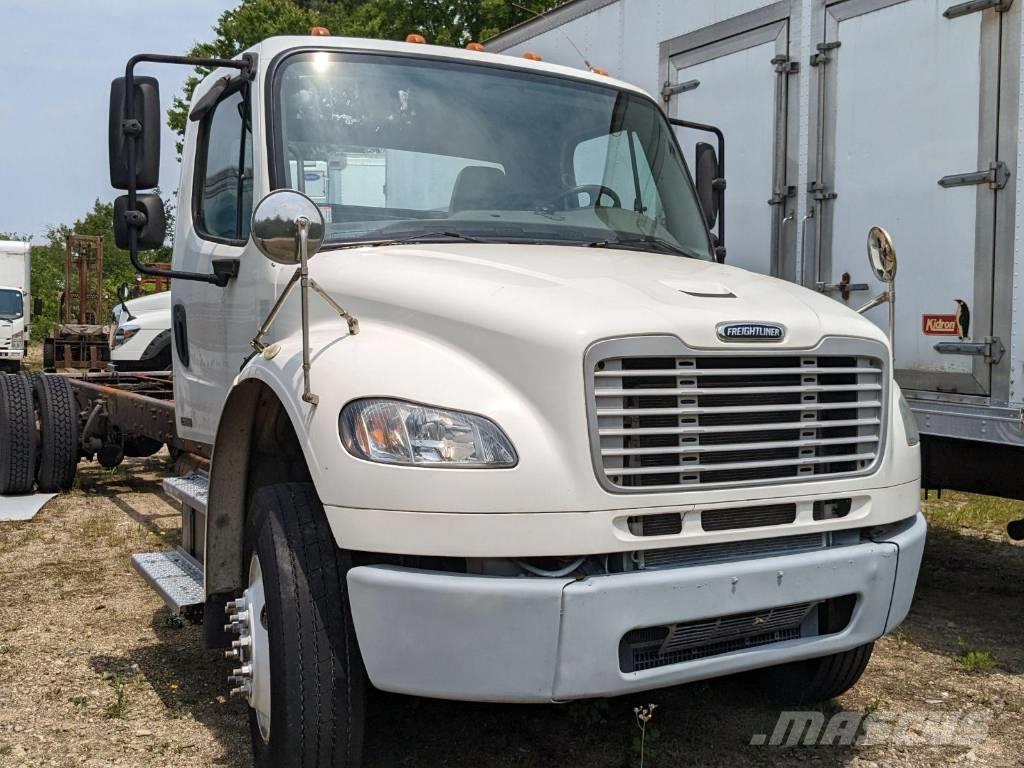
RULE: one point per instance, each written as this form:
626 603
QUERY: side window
223 193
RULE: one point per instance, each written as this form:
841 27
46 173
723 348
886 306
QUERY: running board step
191 489
176 576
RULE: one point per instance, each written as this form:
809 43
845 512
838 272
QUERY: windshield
12 305
402 148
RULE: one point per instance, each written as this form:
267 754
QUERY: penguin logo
963 319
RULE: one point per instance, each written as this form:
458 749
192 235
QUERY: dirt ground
94 671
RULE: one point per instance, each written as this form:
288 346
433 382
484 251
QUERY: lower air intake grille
653 647
681 419
705 554
747 517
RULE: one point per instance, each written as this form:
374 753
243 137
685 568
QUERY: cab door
908 114
737 75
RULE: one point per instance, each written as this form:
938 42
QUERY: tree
443 22
48 262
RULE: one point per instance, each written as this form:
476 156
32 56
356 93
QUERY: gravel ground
94 671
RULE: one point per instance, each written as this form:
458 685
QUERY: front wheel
300 665
815 680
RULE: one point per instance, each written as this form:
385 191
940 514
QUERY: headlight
123 333
397 432
18 340
909 422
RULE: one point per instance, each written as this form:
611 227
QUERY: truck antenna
543 14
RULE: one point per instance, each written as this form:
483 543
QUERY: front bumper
6 353
482 638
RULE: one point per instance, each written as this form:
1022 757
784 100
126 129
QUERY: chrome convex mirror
288 229
276 223
882 257
882 254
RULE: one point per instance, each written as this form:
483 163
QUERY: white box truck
15 302
528 441
840 113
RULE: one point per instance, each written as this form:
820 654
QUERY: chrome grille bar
666 417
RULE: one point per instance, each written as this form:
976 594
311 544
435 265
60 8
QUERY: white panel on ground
907 115
19 508
737 94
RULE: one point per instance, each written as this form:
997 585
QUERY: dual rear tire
39 422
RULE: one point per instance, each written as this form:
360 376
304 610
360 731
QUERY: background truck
503 431
844 112
15 302
142 333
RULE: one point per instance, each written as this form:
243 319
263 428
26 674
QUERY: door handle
991 349
996 176
844 286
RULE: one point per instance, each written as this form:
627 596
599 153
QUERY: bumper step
177 576
191 490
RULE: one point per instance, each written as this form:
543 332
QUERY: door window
224 174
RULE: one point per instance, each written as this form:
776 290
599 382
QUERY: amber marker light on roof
599 71
320 32
532 56
412 37
474 47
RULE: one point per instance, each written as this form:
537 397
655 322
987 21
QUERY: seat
478 187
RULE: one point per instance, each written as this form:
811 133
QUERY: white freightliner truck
516 436
15 302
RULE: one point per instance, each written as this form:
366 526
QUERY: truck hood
574 295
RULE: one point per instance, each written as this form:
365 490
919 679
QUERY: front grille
747 517
653 647
668 422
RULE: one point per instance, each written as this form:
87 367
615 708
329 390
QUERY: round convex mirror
275 225
882 254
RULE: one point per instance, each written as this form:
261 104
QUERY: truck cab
14 303
488 419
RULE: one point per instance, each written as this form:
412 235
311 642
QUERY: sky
57 58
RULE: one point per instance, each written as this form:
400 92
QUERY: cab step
191 490
176 576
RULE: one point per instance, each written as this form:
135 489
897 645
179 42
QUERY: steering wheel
594 191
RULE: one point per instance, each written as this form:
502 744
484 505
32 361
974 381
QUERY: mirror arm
880 299
132 128
719 183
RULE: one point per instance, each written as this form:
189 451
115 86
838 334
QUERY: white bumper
485 638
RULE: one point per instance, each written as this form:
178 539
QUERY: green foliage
976 661
441 22
48 263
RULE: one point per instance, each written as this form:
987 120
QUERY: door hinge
844 286
670 89
822 57
779 197
996 176
991 349
973 6
819 191
784 65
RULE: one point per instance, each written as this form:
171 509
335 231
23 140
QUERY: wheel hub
247 619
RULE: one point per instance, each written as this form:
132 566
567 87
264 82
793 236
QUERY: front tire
816 680
317 687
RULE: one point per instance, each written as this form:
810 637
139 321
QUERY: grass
962 510
119 706
974 662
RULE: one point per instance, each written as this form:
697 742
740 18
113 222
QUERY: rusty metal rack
82 340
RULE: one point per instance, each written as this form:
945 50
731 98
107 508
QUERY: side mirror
882 254
123 292
37 306
146 129
148 216
707 174
275 226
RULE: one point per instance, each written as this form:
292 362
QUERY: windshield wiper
637 243
431 237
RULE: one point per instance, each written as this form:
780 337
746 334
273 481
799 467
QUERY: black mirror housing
707 173
147 218
146 128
